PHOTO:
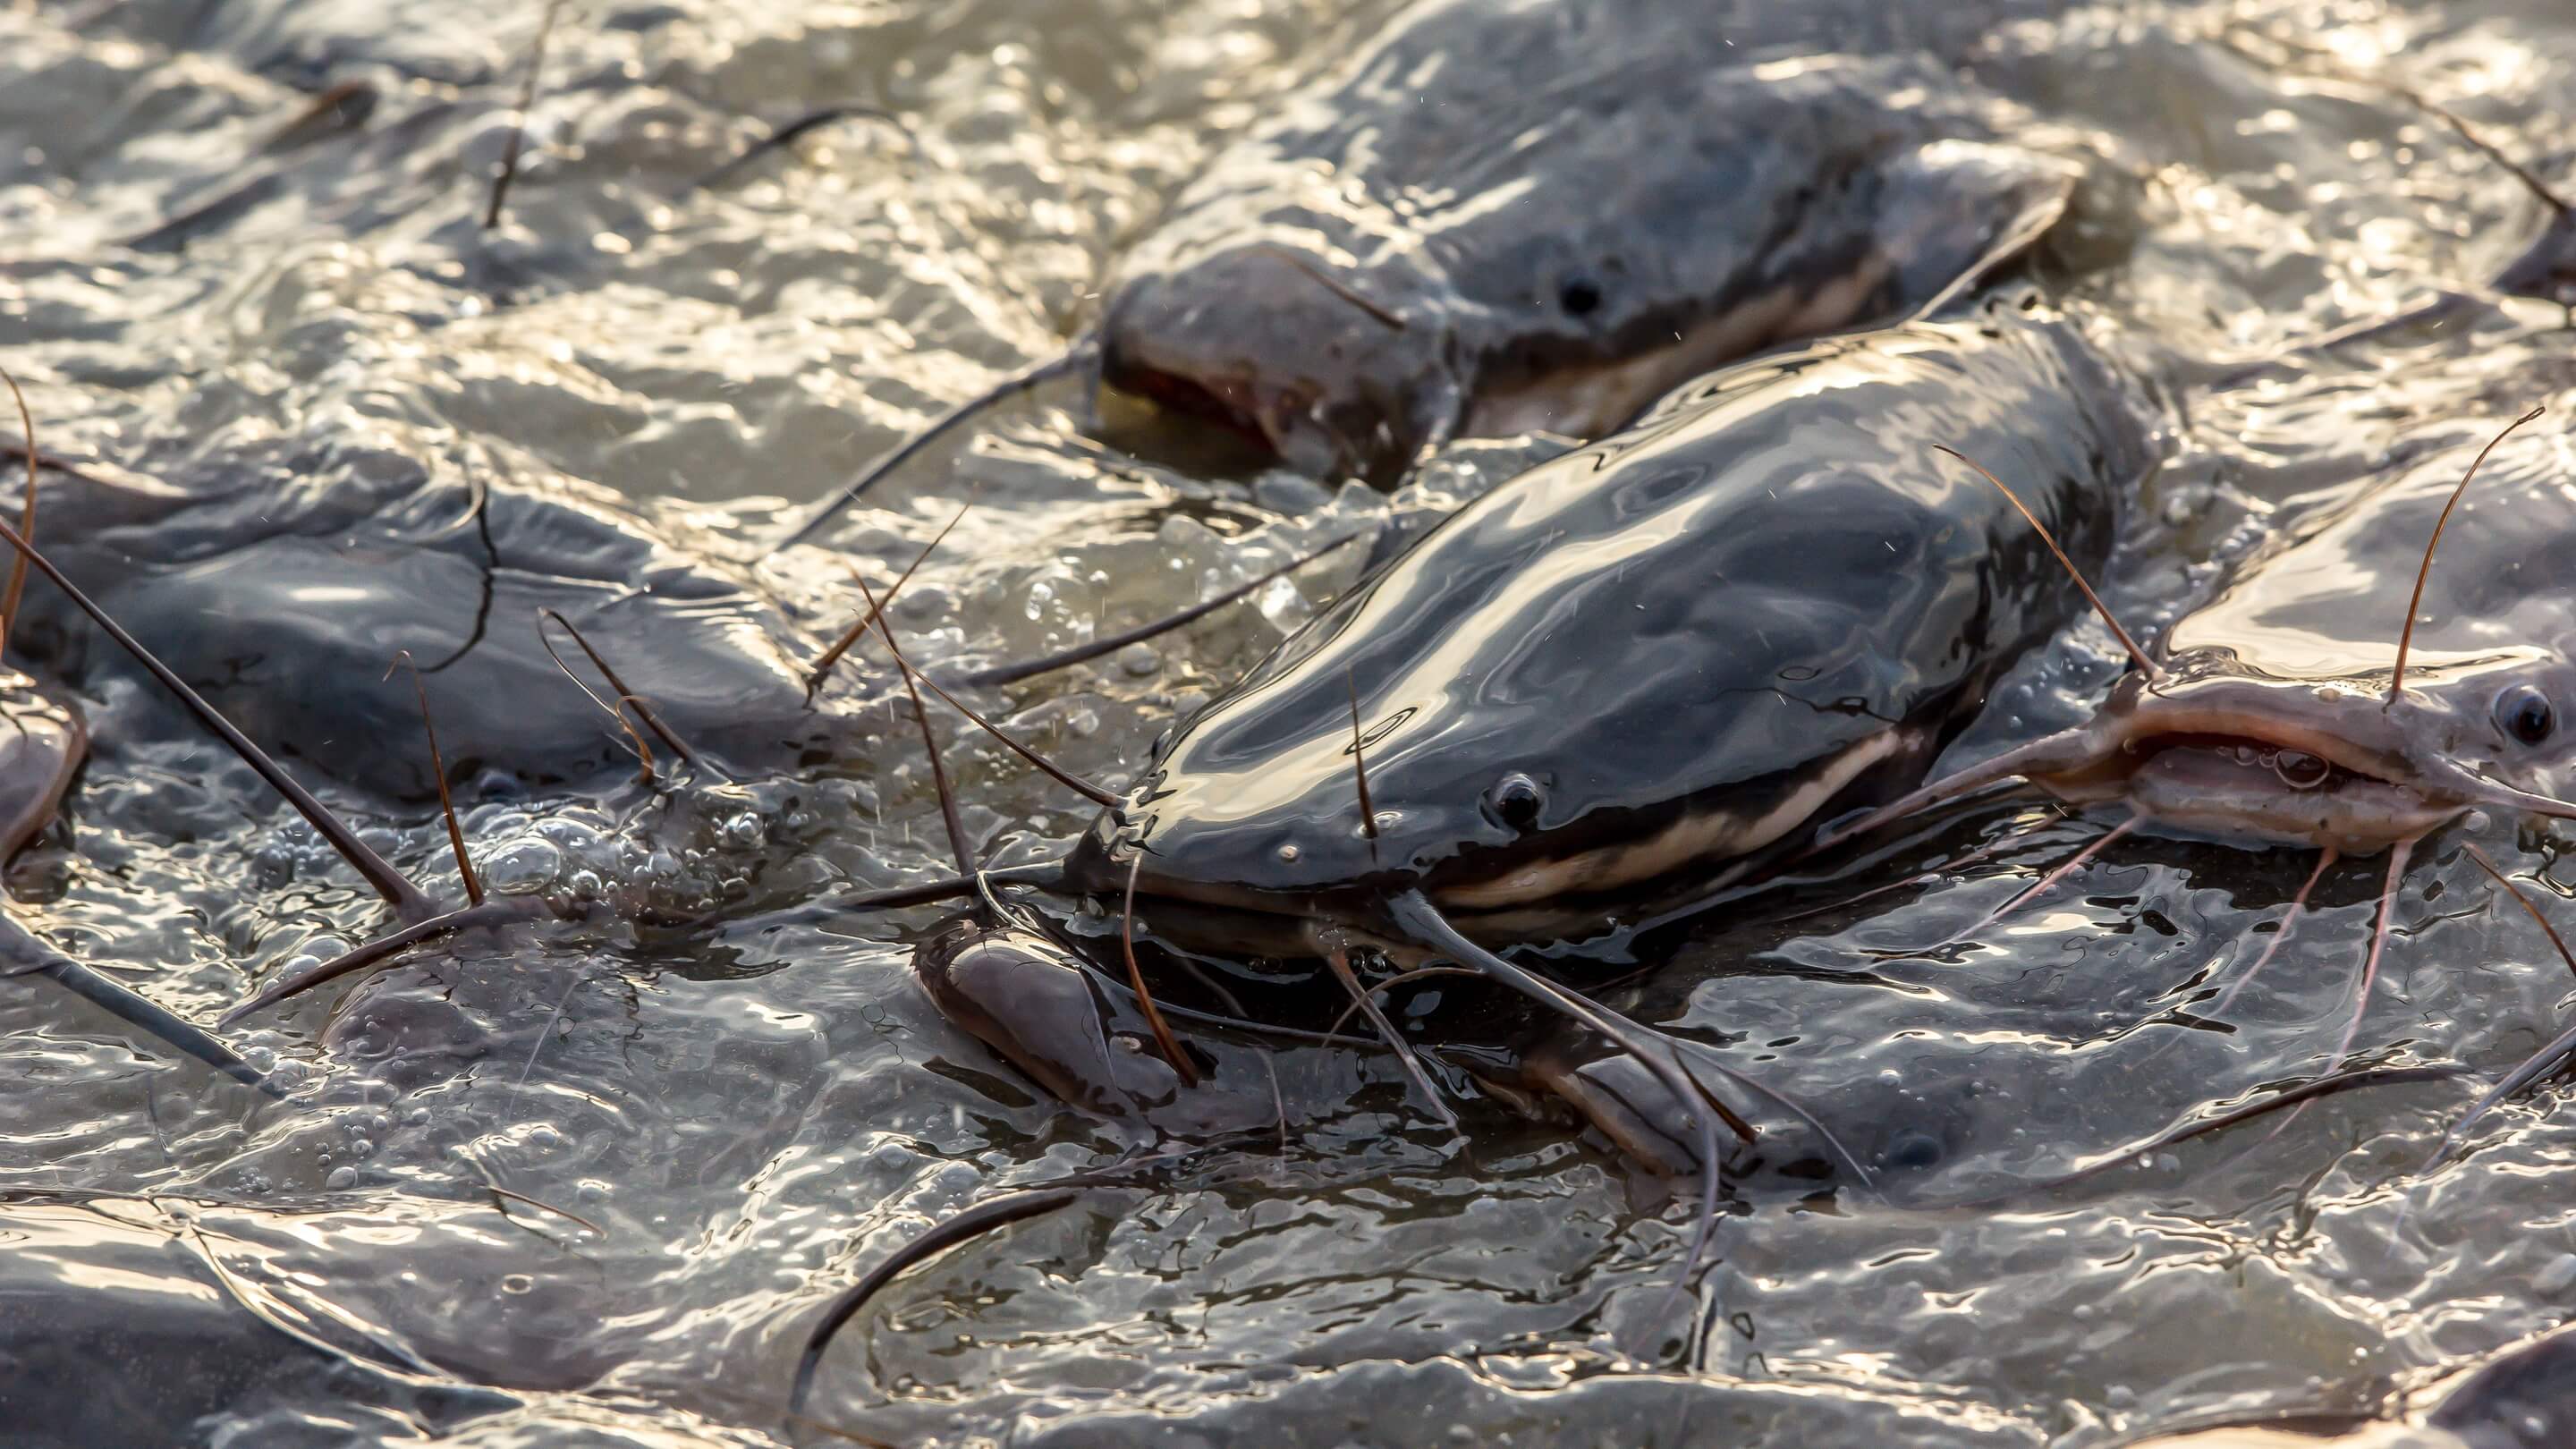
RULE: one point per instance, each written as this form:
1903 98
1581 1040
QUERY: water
746 1112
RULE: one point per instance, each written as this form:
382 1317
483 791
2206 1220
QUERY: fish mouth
1280 423
2238 786
1101 865
2215 761
1227 403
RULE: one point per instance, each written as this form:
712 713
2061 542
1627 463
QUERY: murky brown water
298 399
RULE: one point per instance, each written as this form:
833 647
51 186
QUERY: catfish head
1314 335
2277 720
2210 748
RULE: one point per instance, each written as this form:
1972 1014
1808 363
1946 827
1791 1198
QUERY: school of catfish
1849 443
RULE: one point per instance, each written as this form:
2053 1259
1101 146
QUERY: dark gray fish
1615 684
286 607
110 1334
1646 664
1496 218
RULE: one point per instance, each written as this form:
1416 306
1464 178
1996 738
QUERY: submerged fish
286 604
1626 676
1496 218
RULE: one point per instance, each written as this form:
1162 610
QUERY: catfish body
1645 664
1498 217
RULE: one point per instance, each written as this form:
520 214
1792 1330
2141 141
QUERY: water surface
294 401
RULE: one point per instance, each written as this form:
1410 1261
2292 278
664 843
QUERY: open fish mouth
1227 405
2242 786
2213 761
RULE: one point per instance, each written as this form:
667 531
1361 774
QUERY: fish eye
1579 296
2524 713
1514 801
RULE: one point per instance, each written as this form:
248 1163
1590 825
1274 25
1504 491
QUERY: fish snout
1266 865
1289 352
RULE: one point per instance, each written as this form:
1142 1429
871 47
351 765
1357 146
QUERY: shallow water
293 405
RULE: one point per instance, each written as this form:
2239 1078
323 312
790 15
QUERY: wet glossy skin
1645 664
1028 997
1693 640
288 609
1387 261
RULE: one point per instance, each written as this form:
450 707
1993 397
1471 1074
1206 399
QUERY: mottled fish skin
1496 218
1772 603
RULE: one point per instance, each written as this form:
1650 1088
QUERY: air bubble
572 835
273 865
523 866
